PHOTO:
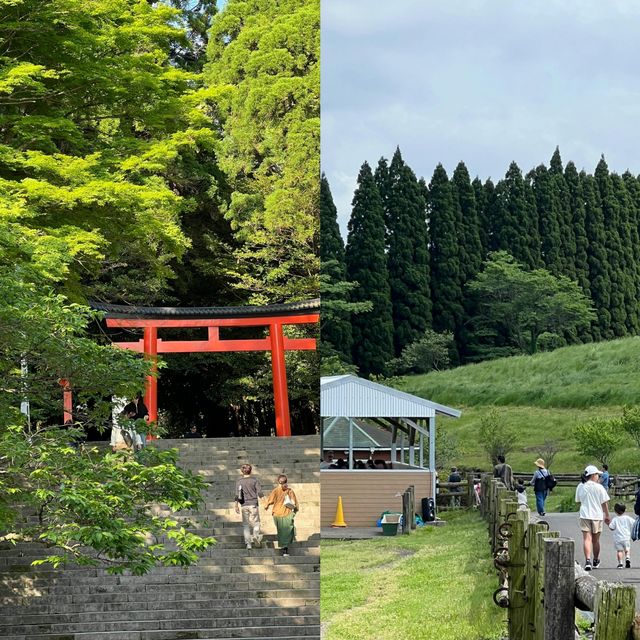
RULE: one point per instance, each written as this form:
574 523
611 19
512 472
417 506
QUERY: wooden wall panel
366 494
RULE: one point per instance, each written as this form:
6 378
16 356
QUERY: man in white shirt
594 508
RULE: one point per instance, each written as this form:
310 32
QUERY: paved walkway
567 525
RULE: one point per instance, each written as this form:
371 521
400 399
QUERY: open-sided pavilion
412 422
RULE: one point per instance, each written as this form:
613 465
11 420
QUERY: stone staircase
230 593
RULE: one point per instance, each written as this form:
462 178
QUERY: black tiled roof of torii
286 309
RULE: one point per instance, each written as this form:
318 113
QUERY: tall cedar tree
446 295
633 189
482 195
581 261
560 193
516 220
263 79
407 254
336 330
626 222
470 246
597 258
383 182
367 264
615 251
548 218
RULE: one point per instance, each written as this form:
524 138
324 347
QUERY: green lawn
435 584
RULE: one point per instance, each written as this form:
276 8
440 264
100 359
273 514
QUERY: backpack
550 482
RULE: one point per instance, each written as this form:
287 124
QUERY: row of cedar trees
413 247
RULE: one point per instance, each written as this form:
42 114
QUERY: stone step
253 633
266 558
282 594
132 614
213 624
230 543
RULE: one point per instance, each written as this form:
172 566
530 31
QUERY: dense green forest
151 153
167 154
483 270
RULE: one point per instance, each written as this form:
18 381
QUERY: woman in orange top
285 507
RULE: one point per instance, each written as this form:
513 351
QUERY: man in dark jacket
503 472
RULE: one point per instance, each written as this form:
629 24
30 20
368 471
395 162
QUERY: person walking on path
621 526
521 496
248 491
455 476
504 472
285 507
605 481
594 508
136 410
539 482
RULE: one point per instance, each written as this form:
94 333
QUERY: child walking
521 495
621 526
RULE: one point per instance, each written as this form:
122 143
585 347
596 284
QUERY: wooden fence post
531 584
412 506
406 512
517 569
539 592
485 491
614 611
559 587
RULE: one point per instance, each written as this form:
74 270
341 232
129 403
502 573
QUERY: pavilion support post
280 391
150 346
421 451
432 443
350 443
67 401
394 439
412 446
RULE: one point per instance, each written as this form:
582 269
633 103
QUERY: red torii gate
273 317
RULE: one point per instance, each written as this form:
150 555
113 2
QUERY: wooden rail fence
539 581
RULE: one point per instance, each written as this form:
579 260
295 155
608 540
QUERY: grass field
433 585
542 397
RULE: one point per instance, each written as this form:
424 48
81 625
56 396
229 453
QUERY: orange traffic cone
339 519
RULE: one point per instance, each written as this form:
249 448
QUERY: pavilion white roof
351 396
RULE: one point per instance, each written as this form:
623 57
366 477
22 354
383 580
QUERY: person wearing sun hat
539 482
594 509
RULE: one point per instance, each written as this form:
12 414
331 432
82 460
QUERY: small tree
496 437
599 438
447 447
429 353
547 451
524 305
630 423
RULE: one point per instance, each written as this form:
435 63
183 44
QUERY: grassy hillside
543 397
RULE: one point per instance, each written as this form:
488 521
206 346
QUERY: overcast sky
484 81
